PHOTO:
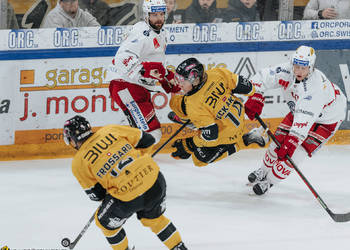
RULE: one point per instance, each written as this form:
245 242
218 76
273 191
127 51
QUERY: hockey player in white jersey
138 66
317 108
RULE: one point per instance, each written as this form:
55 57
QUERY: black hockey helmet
76 129
190 70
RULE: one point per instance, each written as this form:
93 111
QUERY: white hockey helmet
304 56
151 6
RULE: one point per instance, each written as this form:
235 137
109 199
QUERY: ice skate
257 175
180 246
262 187
256 135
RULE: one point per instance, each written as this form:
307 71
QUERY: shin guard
116 237
164 229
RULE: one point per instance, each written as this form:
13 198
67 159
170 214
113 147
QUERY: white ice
211 206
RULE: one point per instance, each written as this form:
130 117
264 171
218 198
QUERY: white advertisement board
49 75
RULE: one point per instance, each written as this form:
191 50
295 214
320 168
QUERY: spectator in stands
11 18
268 10
327 9
174 16
203 11
68 14
98 8
241 11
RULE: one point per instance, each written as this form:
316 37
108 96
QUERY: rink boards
50 75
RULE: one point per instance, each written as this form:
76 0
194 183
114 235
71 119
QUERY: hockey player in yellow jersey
110 168
209 101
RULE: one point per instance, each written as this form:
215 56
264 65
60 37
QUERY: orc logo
245 65
34 17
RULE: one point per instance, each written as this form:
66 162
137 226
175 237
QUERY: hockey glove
288 147
253 105
154 70
175 118
168 83
182 150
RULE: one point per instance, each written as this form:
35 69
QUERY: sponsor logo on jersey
279 69
99 147
281 170
309 97
215 95
300 124
304 112
135 182
146 32
291 106
113 160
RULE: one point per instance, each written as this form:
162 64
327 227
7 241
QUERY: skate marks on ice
42 203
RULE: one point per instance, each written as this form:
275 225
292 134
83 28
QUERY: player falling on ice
209 101
317 108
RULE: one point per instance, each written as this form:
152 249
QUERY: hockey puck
65 242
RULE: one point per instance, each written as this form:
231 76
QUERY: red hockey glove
254 104
169 84
288 147
154 70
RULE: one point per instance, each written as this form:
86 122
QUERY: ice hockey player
110 168
209 101
317 108
138 66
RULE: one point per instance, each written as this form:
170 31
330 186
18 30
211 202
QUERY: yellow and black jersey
109 158
215 109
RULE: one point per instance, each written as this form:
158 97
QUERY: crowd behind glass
17 14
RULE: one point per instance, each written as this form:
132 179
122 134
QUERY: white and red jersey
313 100
142 44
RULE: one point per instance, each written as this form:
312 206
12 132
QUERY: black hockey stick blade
171 137
335 217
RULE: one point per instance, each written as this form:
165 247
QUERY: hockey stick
171 137
66 241
335 217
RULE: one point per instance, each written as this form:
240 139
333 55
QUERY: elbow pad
146 140
244 86
96 193
210 133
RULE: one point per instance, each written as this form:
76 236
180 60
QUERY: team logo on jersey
146 32
127 60
156 43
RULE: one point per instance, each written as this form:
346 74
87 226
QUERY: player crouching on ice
110 168
209 101
317 108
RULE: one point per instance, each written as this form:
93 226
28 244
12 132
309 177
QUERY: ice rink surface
211 206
